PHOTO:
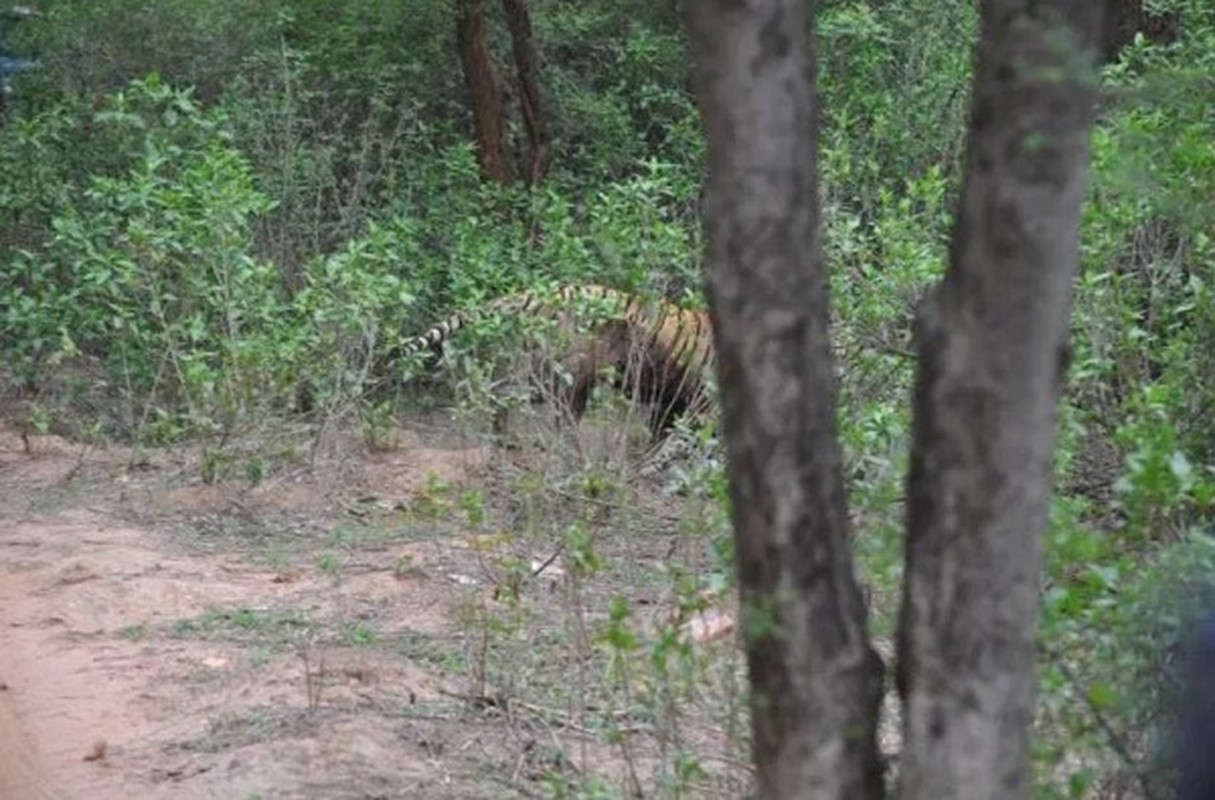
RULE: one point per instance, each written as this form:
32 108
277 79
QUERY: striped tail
522 303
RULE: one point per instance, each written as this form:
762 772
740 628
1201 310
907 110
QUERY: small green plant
255 471
1161 486
134 633
432 500
330 565
216 465
472 502
40 419
378 427
360 635
405 566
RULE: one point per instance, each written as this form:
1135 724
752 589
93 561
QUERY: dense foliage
216 214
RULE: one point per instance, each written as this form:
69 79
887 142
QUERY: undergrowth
226 229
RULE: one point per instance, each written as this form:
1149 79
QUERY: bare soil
165 638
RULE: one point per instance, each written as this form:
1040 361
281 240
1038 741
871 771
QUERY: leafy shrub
149 272
895 84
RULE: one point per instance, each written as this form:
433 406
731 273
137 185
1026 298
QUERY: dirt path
134 663
70 686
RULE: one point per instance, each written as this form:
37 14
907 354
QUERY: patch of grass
360 635
330 565
350 536
230 731
427 649
134 633
246 625
585 578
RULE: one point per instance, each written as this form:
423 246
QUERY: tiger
661 355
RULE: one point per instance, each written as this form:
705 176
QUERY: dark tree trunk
531 100
1122 20
992 339
1125 18
815 679
484 91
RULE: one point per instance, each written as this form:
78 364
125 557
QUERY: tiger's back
659 353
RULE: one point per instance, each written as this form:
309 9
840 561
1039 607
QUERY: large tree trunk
484 92
815 680
531 100
993 347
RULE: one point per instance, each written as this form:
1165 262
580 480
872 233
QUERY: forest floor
161 637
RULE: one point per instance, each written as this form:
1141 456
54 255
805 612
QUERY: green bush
254 230
149 272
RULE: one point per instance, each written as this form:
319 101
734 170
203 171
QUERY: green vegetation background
216 215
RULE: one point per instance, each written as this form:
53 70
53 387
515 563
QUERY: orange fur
660 353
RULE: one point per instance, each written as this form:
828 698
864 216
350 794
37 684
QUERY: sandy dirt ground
163 638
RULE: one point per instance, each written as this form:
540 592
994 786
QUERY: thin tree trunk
531 100
815 679
993 346
1125 17
484 91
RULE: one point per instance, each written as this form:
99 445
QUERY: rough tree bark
531 100
815 679
484 91
992 340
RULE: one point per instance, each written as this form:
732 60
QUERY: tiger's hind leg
678 413
599 357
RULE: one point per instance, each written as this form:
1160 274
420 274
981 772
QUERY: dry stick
548 562
314 683
551 716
